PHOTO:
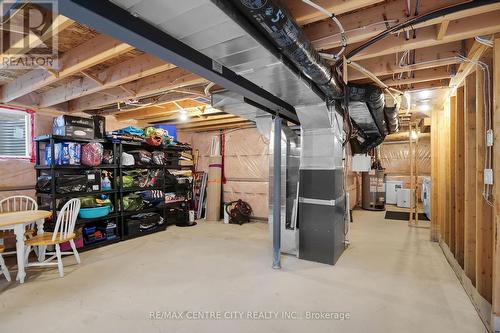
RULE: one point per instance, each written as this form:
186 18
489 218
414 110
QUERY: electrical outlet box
489 138
488 176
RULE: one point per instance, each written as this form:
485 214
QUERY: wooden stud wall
484 224
496 187
459 177
470 178
465 224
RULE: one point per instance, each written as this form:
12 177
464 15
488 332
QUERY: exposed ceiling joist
220 127
427 85
424 75
151 85
305 14
194 117
325 35
24 45
214 124
429 57
201 120
150 112
127 71
90 53
465 28
476 52
442 28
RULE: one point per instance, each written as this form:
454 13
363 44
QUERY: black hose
415 21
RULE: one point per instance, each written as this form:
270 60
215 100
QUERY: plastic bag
127 159
158 158
141 157
107 157
132 202
92 154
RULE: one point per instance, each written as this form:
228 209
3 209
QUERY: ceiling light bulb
183 116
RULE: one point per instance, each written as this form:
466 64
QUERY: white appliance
391 189
404 198
361 163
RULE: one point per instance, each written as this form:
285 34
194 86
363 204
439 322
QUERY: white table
19 220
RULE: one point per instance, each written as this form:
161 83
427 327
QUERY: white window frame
28 135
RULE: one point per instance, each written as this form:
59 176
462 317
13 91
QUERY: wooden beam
305 14
495 302
243 124
464 28
162 110
427 85
212 123
370 22
441 29
424 75
59 24
459 163
428 57
193 116
484 217
201 121
151 85
477 50
470 178
124 72
447 206
90 53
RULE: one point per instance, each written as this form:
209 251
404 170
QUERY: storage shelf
135 167
76 167
81 221
141 189
162 227
75 194
46 138
99 244
142 211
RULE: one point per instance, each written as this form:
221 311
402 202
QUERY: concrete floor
391 279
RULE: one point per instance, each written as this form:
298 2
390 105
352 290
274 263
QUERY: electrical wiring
343 36
414 21
488 158
483 41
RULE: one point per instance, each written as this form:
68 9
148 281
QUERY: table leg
41 249
19 231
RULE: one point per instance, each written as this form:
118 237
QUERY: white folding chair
63 232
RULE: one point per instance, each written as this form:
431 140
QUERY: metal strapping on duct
273 20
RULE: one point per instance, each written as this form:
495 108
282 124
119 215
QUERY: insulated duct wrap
274 21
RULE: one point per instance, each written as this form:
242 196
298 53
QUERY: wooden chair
17 203
63 232
3 268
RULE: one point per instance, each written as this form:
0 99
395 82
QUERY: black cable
417 20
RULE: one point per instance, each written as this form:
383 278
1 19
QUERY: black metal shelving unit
51 198
118 216
125 146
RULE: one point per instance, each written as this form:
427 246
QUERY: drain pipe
277 194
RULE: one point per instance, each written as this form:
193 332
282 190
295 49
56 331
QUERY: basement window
16 134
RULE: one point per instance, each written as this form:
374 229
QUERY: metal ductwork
274 21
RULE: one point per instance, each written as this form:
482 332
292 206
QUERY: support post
277 194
